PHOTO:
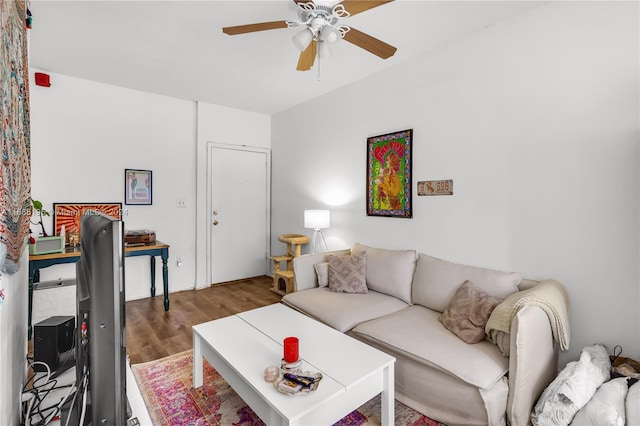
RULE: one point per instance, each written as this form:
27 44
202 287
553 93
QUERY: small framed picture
137 187
70 215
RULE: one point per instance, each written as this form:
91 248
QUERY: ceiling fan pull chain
318 55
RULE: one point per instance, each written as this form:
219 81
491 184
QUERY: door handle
215 222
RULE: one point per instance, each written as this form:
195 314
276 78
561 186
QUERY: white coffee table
239 347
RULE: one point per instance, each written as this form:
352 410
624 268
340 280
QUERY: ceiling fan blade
308 57
356 6
369 43
262 26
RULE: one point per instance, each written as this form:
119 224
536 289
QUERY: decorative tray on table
298 382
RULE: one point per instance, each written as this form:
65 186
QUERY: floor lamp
317 220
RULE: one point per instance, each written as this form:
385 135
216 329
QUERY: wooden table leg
153 276
165 281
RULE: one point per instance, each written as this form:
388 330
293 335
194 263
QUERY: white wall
84 134
118 128
13 335
222 125
536 121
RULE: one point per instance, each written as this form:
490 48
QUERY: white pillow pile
633 405
572 388
606 407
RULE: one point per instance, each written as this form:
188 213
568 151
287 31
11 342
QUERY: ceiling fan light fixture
330 34
302 39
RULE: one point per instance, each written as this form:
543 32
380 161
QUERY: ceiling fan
321 28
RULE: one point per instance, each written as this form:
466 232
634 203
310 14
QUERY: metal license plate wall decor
435 187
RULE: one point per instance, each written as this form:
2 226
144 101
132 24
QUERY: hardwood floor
153 333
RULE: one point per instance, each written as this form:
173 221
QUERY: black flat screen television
101 398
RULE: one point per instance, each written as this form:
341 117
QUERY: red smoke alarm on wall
42 79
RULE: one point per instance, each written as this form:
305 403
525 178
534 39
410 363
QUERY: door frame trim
211 146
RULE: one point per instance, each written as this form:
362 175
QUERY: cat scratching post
283 280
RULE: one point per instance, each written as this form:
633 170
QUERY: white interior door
239 212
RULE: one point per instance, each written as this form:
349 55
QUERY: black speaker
53 343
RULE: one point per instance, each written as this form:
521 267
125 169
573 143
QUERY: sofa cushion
347 273
417 332
436 281
468 312
342 311
389 271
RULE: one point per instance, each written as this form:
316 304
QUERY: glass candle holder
291 349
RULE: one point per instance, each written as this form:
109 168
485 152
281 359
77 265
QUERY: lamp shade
316 219
302 39
330 34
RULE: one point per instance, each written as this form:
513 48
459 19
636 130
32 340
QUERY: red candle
290 349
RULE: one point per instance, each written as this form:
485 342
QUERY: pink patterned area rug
166 386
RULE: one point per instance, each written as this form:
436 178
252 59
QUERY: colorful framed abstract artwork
70 214
137 187
389 174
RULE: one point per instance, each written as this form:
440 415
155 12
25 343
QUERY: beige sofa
436 373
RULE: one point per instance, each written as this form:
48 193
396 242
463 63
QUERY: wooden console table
72 255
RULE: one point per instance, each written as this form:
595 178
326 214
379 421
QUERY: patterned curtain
15 175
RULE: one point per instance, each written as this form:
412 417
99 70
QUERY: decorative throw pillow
322 273
468 312
347 273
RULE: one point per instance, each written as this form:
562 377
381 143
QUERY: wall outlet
181 203
179 262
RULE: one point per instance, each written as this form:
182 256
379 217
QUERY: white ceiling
177 48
